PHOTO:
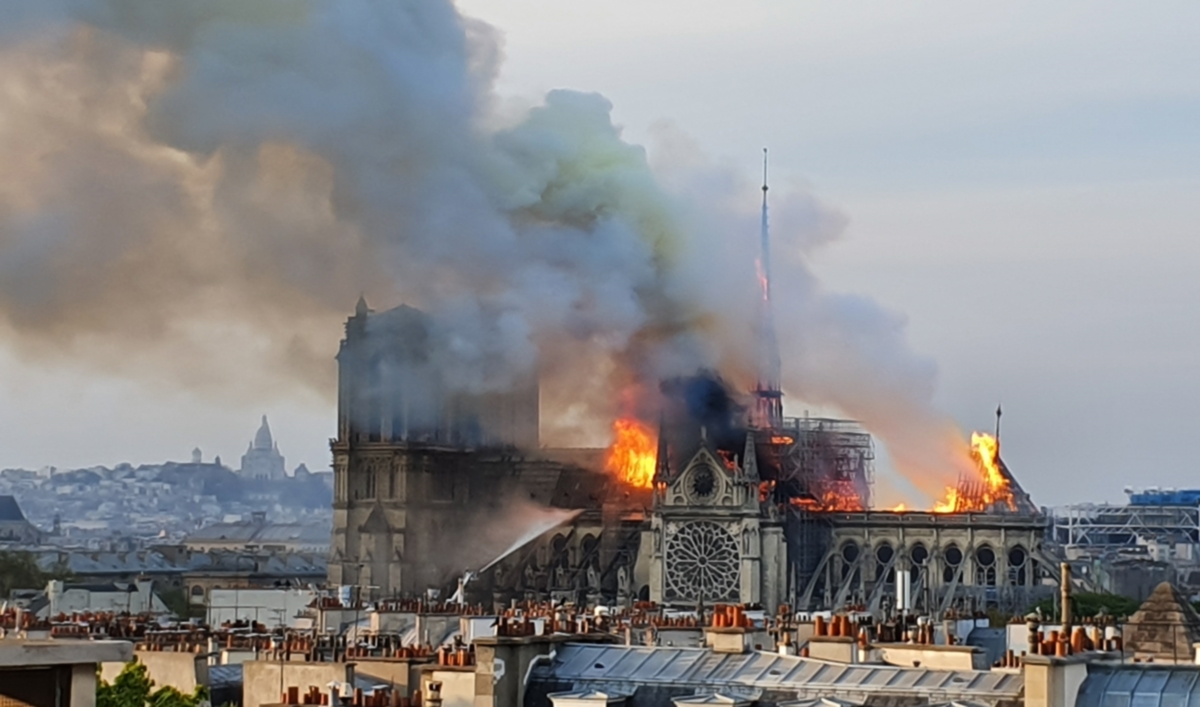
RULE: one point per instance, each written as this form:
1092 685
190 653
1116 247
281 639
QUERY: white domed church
262 459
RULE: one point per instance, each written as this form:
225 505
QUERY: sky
1019 181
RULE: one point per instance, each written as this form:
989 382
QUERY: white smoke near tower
178 174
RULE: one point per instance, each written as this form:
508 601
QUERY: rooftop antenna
767 391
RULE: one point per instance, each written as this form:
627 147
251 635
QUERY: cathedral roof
262 438
1020 497
9 510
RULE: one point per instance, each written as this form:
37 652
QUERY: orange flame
830 501
991 489
763 285
632 454
950 503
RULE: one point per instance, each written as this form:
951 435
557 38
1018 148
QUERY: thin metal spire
769 412
766 237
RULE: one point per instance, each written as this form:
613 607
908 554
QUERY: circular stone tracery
702 561
704 484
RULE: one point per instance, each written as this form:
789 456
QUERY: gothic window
391 483
558 551
849 557
953 557
364 483
588 544
1018 566
702 563
883 555
985 566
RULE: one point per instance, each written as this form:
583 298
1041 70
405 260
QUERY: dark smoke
196 193
709 403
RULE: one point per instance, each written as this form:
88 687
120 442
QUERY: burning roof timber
810 464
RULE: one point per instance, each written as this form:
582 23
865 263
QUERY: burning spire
768 407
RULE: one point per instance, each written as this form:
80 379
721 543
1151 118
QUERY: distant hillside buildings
127 507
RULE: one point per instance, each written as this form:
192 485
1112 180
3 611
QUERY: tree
176 600
134 688
19 570
1089 604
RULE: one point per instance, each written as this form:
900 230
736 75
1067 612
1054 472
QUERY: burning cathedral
722 499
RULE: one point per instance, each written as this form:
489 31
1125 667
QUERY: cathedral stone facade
420 467
713 537
429 478
963 561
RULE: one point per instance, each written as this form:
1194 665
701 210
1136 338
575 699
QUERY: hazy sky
1020 181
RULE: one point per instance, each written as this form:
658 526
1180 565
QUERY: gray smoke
841 352
183 175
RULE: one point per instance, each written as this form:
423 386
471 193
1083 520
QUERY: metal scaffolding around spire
767 390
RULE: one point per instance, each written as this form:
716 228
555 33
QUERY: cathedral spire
768 408
662 464
750 459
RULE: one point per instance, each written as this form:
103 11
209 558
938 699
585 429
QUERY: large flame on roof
632 454
992 489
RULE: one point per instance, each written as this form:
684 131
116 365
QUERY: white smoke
181 174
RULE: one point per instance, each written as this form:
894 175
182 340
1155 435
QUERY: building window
883 557
985 566
953 557
1018 566
849 558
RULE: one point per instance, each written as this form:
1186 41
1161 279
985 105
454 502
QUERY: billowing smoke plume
189 187
840 352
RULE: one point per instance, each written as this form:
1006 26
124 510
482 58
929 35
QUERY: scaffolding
1103 526
808 540
828 464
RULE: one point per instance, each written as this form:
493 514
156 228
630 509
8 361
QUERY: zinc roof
1140 686
225 675
609 667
